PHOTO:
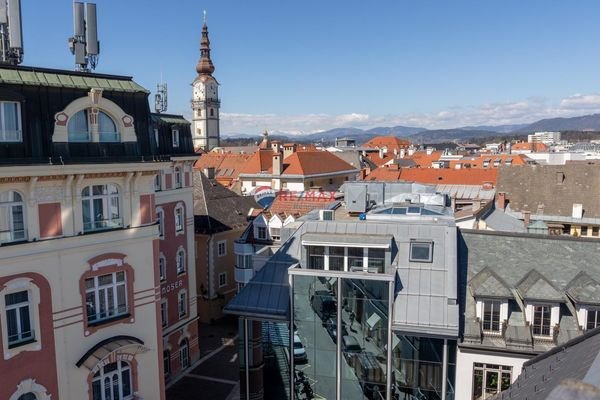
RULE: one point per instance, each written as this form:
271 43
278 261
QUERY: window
593 318
100 205
212 112
244 261
106 297
178 182
491 316
179 218
175 137
12 217
490 379
164 313
222 279
376 260
262 232
27 396
18 319
316 257
584 231
167 362
79 130
113 382
355 258
595 230
158 182
182 304
275 233
222 248
541 320
336 258
160 218
184 354
162 267
10 122
180 261
421 251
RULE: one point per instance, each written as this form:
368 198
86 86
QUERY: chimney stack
209 172
381 153
526 218
277 163
402 152
501 200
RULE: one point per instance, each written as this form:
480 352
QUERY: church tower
205 100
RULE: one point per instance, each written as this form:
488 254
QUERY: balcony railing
93 226
113 137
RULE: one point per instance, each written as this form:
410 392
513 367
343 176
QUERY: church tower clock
205 100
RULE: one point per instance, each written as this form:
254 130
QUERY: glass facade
340 345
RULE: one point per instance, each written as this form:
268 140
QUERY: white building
548 138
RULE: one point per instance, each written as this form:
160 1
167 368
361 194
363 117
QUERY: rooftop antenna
160 98
84 44
11 32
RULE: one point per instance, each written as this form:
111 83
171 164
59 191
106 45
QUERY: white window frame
13 235
260 229
178 177
175 137
16 308
164 313
179 213
222 279
420 243
160 217
182 303
102 291
87 201
18 137
496 306
122 367
162 267
549 320
184 354
222 248
180 261
485 369
596 311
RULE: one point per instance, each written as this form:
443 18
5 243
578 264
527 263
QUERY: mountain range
422 135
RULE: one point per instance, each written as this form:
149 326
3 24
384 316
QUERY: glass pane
505 381
90 303
13 329
491 382
25 323
107 387
121 299
105 279
96 390
477 384
115 383
16 298
78 127
420 251
126 382
120 276
355 258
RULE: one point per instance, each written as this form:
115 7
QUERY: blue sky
303 66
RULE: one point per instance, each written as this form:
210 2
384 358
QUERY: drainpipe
445 370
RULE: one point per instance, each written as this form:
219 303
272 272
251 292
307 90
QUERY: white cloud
517 112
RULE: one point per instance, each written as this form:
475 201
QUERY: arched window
107 129
100 205
178 181
179 219
162 267
180 261
12 217
184 354
79 129
106 296
113 382
27 396
160 218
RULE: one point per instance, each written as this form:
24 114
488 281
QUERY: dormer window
80 129
491 316
10 121
541 320
175 137
593 318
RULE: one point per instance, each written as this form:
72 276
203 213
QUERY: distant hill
583 123
495 128
449 135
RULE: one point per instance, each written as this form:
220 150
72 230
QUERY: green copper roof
170 119
38 78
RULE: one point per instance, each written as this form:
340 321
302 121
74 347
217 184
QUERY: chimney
411 151
381 153
402 152
209 172
476 205
277 164
429 150
526 218
501 200
288 150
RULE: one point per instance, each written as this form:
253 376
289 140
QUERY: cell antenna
160 98
84 44
11 32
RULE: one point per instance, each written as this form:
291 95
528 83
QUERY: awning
373 320
92 360
333 240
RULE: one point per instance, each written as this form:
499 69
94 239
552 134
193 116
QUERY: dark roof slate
488 284
534 286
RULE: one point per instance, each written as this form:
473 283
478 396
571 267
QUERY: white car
299 351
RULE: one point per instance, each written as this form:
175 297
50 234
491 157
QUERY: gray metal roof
577 359
466 192
498 220
378 241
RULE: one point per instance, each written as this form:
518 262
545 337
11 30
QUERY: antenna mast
84 44
11 32
160 98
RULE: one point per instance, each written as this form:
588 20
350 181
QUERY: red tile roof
378 161
447 176
424 160
261 161
314 162
536 147
300 203
391 142
227 165
478 161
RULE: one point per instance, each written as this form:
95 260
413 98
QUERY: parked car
331 326
350 347
370 375
299 351
324 304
